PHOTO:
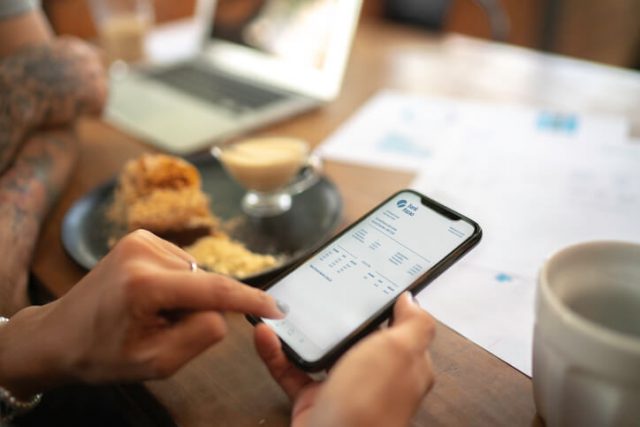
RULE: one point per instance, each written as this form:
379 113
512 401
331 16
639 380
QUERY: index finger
209 291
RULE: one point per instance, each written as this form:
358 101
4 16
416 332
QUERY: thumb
411 321
269 348
405 309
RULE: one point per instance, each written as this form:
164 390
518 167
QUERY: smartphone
348 287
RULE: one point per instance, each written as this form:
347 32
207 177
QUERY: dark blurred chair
431 14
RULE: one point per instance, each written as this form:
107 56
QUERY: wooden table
227 385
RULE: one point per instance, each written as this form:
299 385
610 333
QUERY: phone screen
357 275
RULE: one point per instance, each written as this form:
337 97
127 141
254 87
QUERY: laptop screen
296 31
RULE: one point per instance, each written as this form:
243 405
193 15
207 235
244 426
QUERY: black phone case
374 322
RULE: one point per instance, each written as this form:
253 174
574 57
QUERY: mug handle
308 176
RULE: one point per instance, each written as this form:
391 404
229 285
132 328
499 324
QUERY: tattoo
28 190
36 178
44 86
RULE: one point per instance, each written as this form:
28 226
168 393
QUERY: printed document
531 200
405 132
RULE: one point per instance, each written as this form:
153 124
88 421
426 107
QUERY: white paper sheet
400 131
531 198
492 308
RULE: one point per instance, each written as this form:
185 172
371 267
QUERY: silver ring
193 266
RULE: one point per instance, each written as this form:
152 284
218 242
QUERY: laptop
284 57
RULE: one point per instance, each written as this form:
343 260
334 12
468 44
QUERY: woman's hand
141 313
379 382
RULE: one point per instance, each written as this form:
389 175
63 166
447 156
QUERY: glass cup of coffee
122 27
271 169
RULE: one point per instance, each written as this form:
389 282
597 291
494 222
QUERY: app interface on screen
340 287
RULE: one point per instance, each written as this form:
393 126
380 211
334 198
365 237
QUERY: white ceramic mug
586 351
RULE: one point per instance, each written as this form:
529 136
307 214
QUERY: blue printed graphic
401 144
557 122
503 277
408 115
401 203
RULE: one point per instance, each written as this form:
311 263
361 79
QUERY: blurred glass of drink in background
122 27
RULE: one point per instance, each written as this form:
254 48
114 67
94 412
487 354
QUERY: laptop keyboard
217 88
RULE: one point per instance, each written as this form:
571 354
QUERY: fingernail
283 307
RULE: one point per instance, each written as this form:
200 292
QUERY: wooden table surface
227 385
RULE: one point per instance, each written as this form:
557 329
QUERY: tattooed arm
27 191
43 81
44 86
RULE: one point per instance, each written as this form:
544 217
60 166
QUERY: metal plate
313 218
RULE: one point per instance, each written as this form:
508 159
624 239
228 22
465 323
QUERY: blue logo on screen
407 207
